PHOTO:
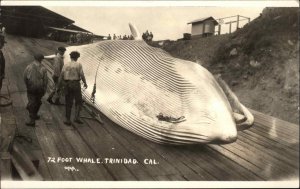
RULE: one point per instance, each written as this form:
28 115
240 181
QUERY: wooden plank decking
267 151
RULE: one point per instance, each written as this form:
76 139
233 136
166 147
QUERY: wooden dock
266 152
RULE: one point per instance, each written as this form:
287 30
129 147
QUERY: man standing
72 73
2 61
57 67
108 37
150 36
35 78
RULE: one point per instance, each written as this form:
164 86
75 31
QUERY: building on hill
203 27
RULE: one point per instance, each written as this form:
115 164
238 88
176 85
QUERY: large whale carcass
159 97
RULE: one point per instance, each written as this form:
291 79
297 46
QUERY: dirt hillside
260 62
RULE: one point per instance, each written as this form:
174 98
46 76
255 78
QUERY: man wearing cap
72 73
2 60
35 78
57 67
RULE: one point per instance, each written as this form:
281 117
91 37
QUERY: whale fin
135 33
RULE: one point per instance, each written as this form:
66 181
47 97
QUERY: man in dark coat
2 61
58 63
35 78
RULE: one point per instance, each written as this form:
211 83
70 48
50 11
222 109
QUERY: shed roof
75 27
203 19
34 14
67 30
74 31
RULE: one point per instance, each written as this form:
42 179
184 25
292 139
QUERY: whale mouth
177 134
225 140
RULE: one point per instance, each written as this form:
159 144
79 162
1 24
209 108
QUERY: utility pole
237 22
203 29
220 21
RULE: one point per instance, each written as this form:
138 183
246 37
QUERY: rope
95 81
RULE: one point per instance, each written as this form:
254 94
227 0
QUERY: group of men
125 37
81 38
66 78
147 36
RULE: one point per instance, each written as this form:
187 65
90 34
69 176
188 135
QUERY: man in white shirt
72 73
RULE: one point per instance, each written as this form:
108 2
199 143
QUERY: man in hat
72 73
35 78
2 60
108 37
58 64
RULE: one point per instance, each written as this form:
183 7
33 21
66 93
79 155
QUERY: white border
150 184
233 3
154 184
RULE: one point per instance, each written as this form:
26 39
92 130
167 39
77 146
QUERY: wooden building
203 27
69 35
39 22
31 21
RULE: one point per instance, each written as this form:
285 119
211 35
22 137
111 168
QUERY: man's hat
61 49
74 54
2 39
38 57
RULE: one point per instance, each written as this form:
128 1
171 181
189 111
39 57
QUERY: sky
165 22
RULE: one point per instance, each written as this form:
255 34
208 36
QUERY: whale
159 97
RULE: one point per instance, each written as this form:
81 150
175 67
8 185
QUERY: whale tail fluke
134 31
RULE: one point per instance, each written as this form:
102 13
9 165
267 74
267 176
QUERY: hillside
198 50
260 61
